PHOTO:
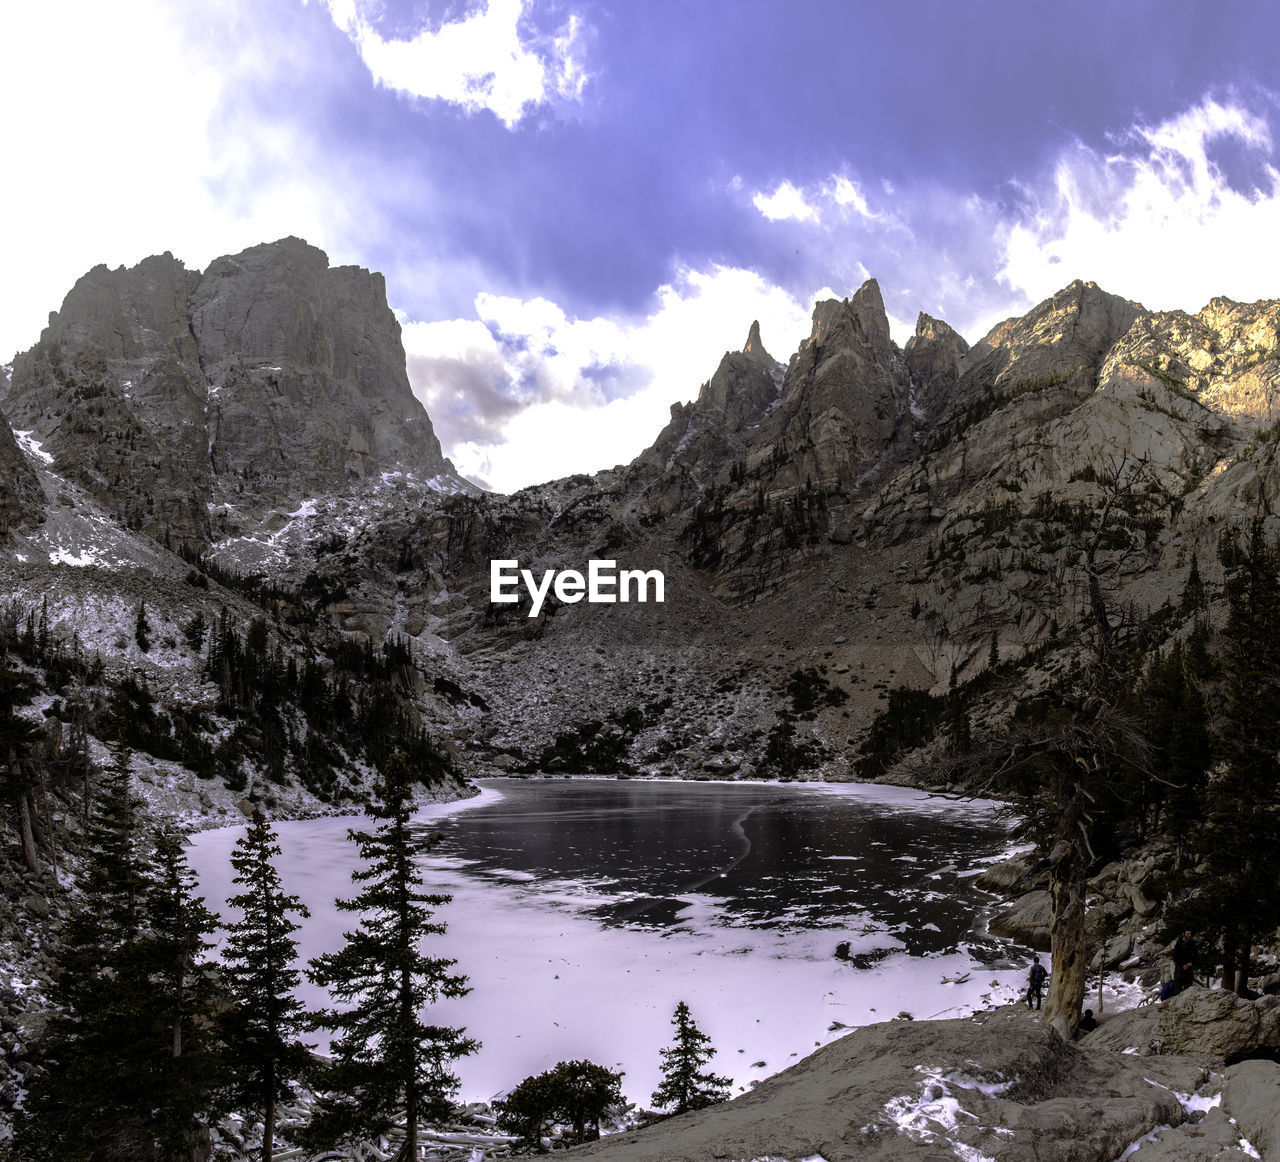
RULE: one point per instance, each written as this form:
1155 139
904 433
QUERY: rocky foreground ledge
1001 1085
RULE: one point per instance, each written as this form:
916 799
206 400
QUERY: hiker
1184 961
1035 982
1088 1022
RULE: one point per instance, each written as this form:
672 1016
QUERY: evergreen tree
259 956
17 778
130 1073
684 1084
188 1081
1242 819
142 628
195 630
574 1093
387 1056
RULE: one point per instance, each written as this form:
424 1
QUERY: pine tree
17 779
684 1084
387 1057
259 956
130 1071
188 1082
142 628
195 630
1242 819
574 1093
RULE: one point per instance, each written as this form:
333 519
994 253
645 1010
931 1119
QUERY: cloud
483 61
96 87
846 193
1170 212
555 395
792 203
1158 217
785 204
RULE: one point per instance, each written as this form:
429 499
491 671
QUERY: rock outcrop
268 378
1251 1097
999 1086
1201 1022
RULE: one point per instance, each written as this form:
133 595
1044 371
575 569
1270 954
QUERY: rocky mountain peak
935 356
928 328
315 351
846 391
267 379
861 318
755 347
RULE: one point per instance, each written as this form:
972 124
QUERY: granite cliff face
185 401
306 373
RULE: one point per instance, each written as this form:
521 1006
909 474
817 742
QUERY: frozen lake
583 910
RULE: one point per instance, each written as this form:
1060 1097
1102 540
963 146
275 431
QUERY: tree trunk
269 1111
1241 983
50 835
1228 980
1066 939
409 1152
29 853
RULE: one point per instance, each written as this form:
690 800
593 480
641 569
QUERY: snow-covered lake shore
550 981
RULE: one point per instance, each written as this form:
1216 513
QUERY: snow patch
31 446
1134 1147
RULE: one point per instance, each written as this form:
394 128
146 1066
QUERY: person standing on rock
1184 961
1035 983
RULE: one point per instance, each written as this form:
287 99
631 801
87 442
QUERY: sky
579 205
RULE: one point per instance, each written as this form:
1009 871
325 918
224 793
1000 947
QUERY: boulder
1000 1085
1213 1137
1141 904
1199 1022
1112 953
1251 1095
1002 876
1026 921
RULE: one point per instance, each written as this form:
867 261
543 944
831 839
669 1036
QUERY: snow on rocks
997 1085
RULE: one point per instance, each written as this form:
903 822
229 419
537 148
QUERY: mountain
190 404
860 518
230 544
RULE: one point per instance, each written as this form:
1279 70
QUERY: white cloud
785 204
791 203
1157 220
845 193
479 62
125 140
588 393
